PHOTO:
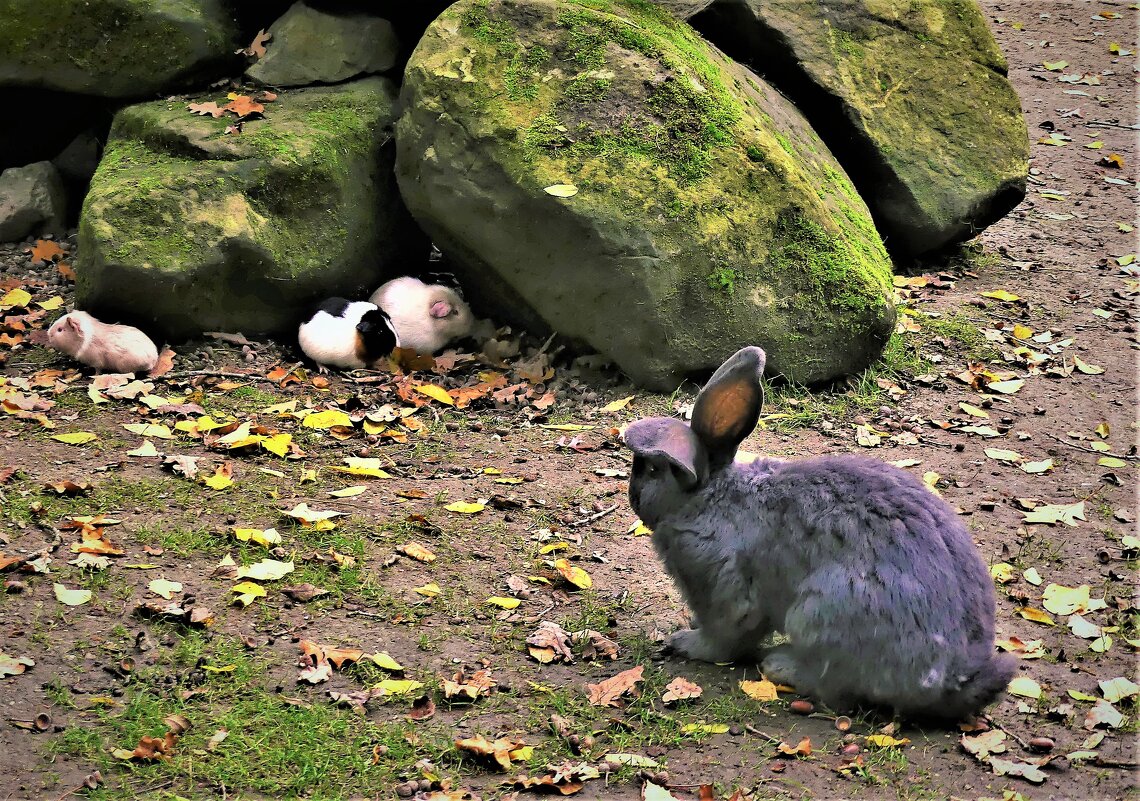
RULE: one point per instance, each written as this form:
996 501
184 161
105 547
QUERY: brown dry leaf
1026 770
45 250
551 641
315 667
607 693
150 749
65 272
338 656
68 488
256 48
574 574
500 750
164 364
423 708
802 748
1103 714
212 109
460 687
981 746
417 551
597 645
304 592
680 689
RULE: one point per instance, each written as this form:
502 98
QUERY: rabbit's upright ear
664 436
728 408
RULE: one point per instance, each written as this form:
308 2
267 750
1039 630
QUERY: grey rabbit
875 581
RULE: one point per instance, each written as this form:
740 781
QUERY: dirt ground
537 459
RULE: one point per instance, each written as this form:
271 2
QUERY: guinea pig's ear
73 324
664 436
728 407
441 308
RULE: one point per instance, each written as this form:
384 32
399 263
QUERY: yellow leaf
1102 430
551 547
575 575
156 430
71 597
281 408
639 529
1022 331
973 411
1036 615
1002 295
311 517
618 405
51 304
348 492
164 588
16 298
1007 387
436 393
1066 600
886 741
509 480
359 466
561 190
327 419
504 603
567 427
1003 455
278 444
146 449
397 686
762 690
266 570
1002 572
248 592
1111 461
1043 466
465 508
267 537
221 478
705 728
206 423
383 660
1032 576
1025 687
1086 368
428 590
75 437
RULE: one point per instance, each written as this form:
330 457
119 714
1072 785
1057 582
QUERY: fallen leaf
417 551
886 741
802 748
1025 687
247 592
1118 689
164 588
266 570
1087 369
1036 615
71 597
501 750
75 438
680 689
1003 455
1066 600
211 108
1043 466
984 744
618 405
14 665
435 393
1009 767
1002 295
561 190
326 419
573 574
607 692
465 508
222 477
504 603
762 690
1057 513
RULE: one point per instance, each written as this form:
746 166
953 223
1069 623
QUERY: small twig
218 373
1017 739
1089 450
748 727
1099 124
593 517
362 613
1115 763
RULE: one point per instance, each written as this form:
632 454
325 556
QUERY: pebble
1041 744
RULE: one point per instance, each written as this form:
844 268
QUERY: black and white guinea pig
427 314
347 334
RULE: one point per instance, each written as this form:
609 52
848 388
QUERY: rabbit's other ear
675 441
728 407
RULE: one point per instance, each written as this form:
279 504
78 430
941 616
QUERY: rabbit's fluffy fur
874 580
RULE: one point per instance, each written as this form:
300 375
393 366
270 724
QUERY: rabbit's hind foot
779 666
693 644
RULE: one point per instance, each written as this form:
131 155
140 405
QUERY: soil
1063 252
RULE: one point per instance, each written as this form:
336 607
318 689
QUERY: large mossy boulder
707 214
313 46
911 96
190 228
113 48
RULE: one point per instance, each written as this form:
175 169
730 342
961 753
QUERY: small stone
735 730
407 789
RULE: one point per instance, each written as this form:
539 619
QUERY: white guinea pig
426 316
113 348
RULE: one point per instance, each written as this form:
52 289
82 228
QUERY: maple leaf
607 693
243 106
211 109
256 48
45 250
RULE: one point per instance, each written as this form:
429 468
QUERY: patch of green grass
328 752
790 406
960 332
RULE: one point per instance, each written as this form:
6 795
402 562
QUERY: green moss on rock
113 48
197 229
693 179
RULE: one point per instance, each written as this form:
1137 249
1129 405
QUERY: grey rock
114 48
189 229
705 213
77 162
310 46
32 201
911 97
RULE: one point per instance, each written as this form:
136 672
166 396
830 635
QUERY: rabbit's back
891 594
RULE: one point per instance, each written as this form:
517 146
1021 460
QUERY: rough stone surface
707 216
911 96
187 228
32 201
313 46
113 48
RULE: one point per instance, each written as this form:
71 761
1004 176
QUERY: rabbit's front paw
780 666
691 644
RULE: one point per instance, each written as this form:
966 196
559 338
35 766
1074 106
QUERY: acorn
1041 744
801 707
